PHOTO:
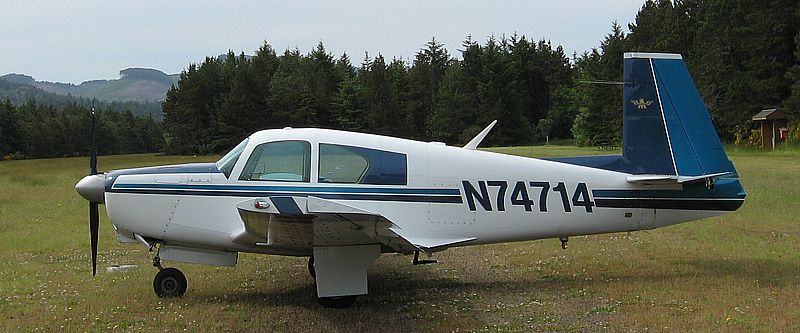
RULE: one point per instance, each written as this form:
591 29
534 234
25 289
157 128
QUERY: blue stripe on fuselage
308 189
367 197
340 193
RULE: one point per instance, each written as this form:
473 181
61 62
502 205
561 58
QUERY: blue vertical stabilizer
667 128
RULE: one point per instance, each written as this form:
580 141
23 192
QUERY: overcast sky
74 41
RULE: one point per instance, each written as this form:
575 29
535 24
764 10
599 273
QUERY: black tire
311 269
338 301
170 282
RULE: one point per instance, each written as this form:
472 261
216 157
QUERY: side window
337 164
349 164
288 161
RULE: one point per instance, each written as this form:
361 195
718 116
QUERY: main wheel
311 269
170 282
337 301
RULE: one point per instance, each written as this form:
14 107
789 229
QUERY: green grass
739 272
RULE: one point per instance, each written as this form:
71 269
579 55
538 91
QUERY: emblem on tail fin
641 104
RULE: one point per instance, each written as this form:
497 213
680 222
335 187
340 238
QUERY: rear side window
288 161
357 165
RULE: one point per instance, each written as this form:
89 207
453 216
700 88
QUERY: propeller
94 214
92 188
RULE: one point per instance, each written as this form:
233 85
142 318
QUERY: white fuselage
450 193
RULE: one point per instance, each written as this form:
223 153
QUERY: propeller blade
93 156
94 226
94 214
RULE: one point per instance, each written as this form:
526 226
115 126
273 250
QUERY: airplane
343 198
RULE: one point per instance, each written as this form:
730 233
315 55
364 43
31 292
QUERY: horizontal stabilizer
670 179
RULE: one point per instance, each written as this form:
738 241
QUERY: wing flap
433 244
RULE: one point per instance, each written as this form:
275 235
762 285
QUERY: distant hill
19 90
134 85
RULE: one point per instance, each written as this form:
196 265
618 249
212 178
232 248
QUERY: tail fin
667 129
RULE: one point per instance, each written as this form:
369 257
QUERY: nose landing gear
169 282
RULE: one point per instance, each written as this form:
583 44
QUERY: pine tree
663 26
9 135
346 105
499 96
380 109
286 86
425 76
324 80
453 109
792 104
599 118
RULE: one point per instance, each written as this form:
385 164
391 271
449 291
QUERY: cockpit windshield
226 163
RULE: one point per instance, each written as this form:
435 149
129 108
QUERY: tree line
743 55
34 130
435 97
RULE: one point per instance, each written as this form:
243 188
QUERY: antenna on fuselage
473 144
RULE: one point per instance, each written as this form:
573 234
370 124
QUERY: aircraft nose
92 188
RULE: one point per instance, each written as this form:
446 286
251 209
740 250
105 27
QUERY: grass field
739 272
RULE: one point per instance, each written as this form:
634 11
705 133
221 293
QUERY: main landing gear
330 302
337 301
169 282
311 269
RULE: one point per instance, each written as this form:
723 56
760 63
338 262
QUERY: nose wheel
169 282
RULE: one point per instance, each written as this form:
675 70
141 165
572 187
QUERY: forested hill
134 85
743 55
19 94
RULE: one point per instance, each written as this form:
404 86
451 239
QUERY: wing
300 223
